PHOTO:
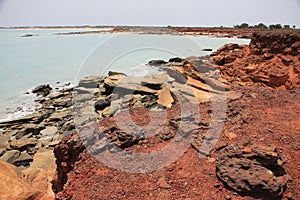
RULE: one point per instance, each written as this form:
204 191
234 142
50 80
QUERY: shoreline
243 33
261 85
209 31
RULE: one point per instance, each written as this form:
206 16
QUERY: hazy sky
148 12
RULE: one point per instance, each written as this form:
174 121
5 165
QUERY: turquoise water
26 62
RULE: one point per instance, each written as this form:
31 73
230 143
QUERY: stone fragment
162 183
165 98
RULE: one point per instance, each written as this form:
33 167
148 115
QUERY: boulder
42 90
102 104
256 171
109 111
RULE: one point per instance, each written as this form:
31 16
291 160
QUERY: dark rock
179 78
206 49
256 171
102 104
111 73
29 35
157 62
176 60
42 90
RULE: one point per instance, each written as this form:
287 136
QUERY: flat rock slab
21 144
10 156
49 131
256 171
165 98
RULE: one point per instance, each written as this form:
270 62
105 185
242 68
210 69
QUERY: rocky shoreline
254 155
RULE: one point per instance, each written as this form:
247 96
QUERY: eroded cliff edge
254 156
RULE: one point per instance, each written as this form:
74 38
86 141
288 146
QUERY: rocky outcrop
22 185
246 169
270 43
256 171
271 60
66 155
106 115
21 139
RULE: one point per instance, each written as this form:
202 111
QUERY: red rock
15 185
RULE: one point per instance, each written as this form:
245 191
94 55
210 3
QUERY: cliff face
271 60
285 44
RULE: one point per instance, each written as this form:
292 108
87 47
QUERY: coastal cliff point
54 153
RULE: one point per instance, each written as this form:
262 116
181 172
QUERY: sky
205 13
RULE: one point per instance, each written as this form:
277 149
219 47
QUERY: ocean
56 59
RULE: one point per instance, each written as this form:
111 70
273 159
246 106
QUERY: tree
244 25
286 26
261 26
275 26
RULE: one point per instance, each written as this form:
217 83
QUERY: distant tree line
263 26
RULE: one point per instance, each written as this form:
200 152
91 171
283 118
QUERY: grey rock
90 82
10 156
83 97
49 131
180 78
83 90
